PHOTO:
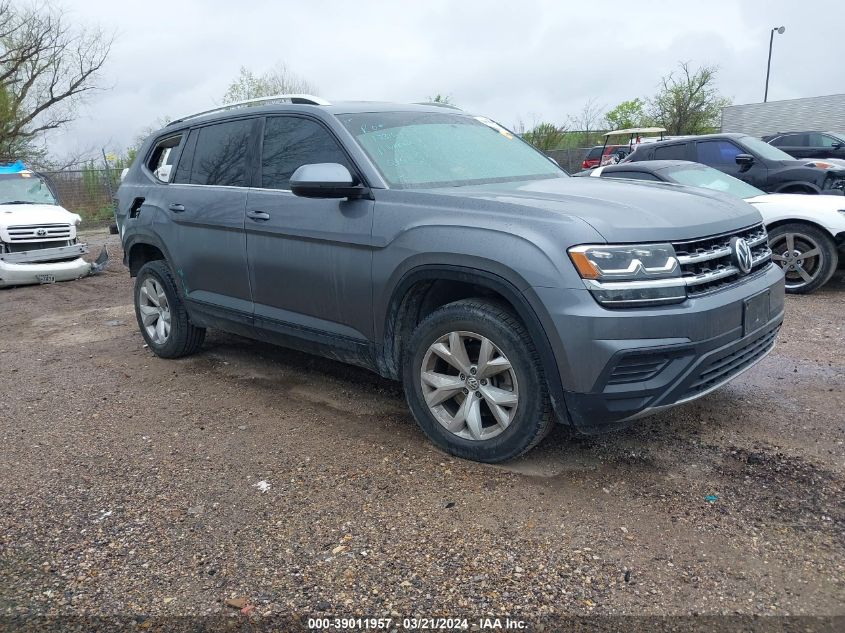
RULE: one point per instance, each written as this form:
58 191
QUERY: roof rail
289 98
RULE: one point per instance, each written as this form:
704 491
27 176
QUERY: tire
162 317
501 410
807 255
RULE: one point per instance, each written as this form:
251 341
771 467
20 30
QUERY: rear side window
289 143
717 152
162 158
671 152
593 154
220 154
791 140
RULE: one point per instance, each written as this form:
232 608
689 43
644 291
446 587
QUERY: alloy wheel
469 385
800 257
155 311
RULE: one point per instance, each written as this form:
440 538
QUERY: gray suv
437 248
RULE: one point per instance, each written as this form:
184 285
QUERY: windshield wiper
19 202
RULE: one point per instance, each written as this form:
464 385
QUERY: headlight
630 275
77 220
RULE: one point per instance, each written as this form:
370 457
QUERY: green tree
277 81
627 114
545 136
439 98
47 68
688 101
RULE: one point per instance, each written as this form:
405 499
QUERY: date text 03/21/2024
415 624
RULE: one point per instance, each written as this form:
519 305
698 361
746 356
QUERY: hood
624 211
26 214
832 166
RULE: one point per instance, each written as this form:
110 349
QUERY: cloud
535 59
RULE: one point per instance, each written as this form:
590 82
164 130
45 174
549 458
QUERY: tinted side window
671 152
220 155
593 154
791 140
631 175
289 143
717 152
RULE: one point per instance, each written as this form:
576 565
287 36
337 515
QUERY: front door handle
176 207
257 215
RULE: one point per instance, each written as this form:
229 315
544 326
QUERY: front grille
706 264
721 368
637 368
39 232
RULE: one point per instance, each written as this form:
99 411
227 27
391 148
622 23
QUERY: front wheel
807 255
474 382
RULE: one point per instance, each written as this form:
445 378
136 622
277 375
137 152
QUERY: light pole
780 30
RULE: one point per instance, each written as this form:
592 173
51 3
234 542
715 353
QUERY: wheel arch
425 288
797 184
803 221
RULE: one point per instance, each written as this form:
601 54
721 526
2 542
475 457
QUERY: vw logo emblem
741 255
41 232
472 383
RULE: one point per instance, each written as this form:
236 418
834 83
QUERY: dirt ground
129 484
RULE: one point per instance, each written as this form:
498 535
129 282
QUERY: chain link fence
569 159
87 192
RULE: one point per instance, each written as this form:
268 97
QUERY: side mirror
744 161
837 145
326 180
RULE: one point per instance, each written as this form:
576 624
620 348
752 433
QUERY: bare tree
47 68
279 80
587 122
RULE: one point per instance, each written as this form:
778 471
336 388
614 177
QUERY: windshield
763 149
24 188
709 178
430 149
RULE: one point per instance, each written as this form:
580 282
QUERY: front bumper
619 365
36 267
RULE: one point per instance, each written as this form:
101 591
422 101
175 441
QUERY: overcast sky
526 60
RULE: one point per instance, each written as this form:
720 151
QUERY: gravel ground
131 485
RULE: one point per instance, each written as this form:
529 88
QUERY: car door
206 202
310 259
721 154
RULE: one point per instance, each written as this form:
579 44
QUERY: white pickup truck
38 242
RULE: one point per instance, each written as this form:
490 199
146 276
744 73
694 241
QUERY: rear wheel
474 382
161 315
807 255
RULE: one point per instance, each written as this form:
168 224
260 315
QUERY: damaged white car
38 242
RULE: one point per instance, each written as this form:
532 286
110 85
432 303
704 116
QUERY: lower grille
637 368
721 368
21 247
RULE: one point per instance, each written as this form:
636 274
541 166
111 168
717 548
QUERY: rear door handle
257 215
176 207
